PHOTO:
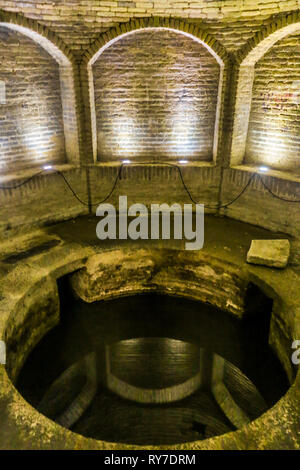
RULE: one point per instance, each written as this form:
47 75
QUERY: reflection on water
152 369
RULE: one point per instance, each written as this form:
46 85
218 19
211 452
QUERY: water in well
152 369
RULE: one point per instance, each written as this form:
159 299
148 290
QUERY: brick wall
45 199
257 206
31 131
274 126
156 95
79 22
155 184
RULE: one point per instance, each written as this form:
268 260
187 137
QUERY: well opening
177 368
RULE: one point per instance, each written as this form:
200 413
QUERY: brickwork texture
274 126
156 95
31 119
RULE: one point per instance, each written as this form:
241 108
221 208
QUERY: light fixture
263 168
183 161
47 167
126 161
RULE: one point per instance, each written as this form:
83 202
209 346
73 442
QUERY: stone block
273 253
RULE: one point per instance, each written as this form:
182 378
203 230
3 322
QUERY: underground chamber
154 369
139 343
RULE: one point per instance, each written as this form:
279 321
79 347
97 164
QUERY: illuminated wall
155 96
31 125
274 127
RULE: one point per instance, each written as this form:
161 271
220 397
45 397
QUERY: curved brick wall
31 130
169 362
156 96
239 34
79 22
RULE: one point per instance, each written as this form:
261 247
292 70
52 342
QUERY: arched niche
40 137
124 122
267 102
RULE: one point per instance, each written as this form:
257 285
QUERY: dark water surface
140 333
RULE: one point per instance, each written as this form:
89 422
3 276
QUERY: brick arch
115 33
40 34
246 59
55 47
268 35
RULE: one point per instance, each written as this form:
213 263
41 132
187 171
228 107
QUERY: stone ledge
279 174
37 170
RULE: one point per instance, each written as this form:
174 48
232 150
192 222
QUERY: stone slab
272 253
